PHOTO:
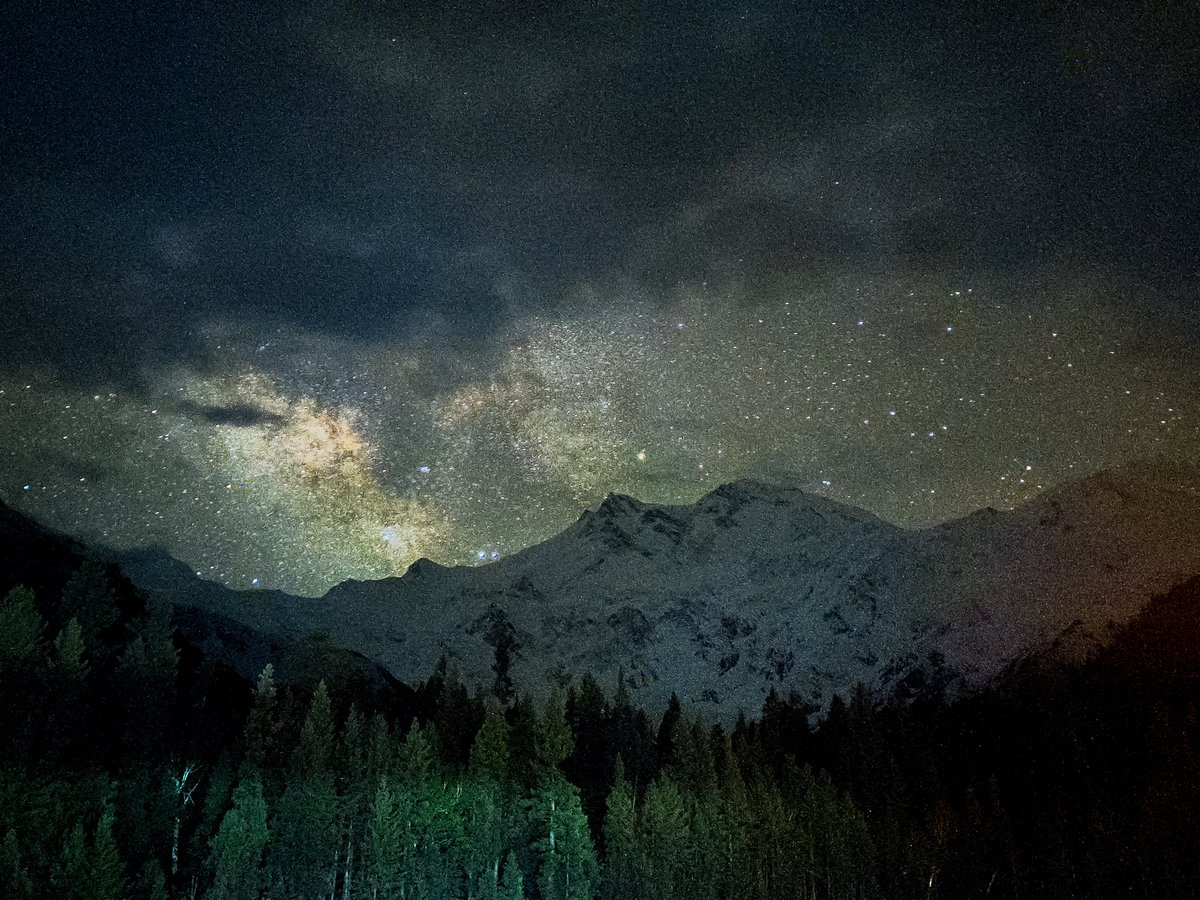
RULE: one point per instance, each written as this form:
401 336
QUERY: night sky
305 291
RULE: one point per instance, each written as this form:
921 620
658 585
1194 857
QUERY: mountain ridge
752 587
756 586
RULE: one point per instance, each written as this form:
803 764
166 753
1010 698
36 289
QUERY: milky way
919 405
344 290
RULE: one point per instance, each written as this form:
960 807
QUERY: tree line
133 765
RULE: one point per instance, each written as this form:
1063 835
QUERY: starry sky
304 291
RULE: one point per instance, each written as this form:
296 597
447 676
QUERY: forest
133 764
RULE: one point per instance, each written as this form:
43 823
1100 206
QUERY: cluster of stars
298 480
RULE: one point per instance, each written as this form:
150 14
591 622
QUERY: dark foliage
133 764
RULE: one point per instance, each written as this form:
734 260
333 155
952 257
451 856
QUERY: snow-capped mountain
757 586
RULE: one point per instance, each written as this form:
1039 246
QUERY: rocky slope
757 586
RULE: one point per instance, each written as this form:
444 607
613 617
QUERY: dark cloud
386 173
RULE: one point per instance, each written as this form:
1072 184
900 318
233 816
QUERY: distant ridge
756 586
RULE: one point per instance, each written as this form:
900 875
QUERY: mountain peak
761 584
615 505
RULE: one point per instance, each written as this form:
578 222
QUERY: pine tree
731 855
237 847
89 597
590 764
553 742
21 650
512 886
522 721
352 751
623 863
484 833
68 658
694 767
567 867
72 871
385 848
434 824
90 871
68 714
664 742
106 879
305 853
352 787
218 789
263 722
769 834
15 880
309 837
489 753
21 628
665 836
700 878
418 754
631 737
144 683
457 720
505 645
380 751
315 748
151 882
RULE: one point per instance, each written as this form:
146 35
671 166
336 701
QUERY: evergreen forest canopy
132 764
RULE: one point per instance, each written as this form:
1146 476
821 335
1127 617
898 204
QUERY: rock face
757 586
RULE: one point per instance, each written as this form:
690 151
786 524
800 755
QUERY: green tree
665 836
457 719
695 769
351 774
89 597
380 751
769 836
72 872
434 827
484 834
21 628
151 882
623 859
437 836
512 887
489 753
665 751
505 643
144 683
566 859
67 712
590 765
418 754
15 880
263 722
69 653
91 871
237 847
216 796
385 849
522 721
315 748
553 742
630 734
305 852
731 855
21 717
105 870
